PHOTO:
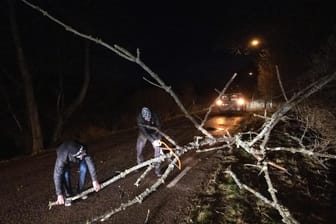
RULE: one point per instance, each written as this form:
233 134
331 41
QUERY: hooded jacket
65 156
150 134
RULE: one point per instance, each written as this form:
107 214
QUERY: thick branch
128 56
295 100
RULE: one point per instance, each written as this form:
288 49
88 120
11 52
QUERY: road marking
178 178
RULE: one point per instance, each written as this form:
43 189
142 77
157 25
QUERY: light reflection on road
219 125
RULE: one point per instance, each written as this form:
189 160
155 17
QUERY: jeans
81 181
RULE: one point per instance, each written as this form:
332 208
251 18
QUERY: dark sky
180 40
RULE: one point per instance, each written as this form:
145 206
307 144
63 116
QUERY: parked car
231 102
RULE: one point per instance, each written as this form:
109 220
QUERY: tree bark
32 110
63 115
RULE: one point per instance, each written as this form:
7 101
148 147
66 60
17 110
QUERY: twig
287 218
147 216
137 199
280 82
220 94
143 175
296 99
303 151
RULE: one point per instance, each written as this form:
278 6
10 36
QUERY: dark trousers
81 181
141 142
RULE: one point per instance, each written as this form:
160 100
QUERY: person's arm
144 130
93 174
58 171
155 135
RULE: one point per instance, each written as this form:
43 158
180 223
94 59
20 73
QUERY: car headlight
219 102
240 101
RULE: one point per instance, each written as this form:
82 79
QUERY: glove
156 143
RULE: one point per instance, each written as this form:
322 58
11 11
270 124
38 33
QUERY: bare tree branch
128 56
295 100
287 217
220 94
280 83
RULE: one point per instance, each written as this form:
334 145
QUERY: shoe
84 197
67 202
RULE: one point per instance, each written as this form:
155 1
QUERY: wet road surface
220 124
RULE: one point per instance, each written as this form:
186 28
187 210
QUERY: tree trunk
268 87
65 114
32 111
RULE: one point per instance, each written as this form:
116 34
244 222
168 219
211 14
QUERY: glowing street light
255 42
266 77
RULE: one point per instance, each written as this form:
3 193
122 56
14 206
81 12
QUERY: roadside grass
308 190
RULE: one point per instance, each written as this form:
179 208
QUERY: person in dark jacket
72 152
149 118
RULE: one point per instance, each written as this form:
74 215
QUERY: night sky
185 42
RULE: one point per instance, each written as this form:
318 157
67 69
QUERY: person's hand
96 185
156 143
60 200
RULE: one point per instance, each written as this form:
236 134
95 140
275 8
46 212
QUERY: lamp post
265 80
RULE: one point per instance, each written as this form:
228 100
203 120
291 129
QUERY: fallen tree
256 145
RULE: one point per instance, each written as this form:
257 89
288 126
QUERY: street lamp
254 42
265 80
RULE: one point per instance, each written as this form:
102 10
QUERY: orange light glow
219 102
241 101
255 42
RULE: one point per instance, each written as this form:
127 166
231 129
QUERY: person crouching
72 152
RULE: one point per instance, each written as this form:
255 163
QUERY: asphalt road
27 184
